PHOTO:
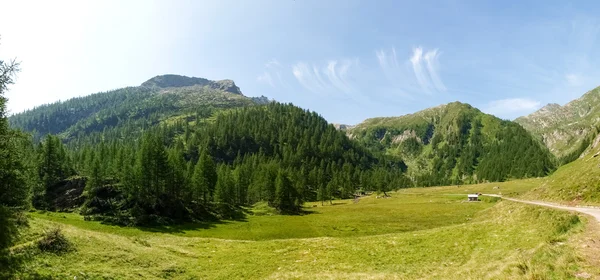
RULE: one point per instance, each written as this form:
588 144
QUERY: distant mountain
456 143
566 130
125 112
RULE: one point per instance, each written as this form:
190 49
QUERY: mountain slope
156 100
566 130
456 143
575 182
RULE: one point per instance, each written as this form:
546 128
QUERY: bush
54 241
21 219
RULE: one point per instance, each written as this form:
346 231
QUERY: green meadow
417 233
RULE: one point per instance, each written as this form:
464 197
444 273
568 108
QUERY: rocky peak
170 81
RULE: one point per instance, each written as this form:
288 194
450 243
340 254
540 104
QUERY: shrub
54 241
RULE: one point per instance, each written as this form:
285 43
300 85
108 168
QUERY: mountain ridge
566 130
172 80
157 100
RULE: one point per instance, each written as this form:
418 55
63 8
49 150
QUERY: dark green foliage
287 199
225 188
17 161
54 241
276 153
150 153
54 166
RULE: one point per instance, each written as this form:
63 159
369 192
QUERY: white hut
473 197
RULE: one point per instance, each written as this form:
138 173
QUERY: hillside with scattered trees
456 144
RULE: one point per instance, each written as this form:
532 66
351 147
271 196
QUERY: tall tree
14 190
286 197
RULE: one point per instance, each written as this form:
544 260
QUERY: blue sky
347 60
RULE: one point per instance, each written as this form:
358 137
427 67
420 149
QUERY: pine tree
14 191
199 185
285 194
178 167
225 188
209 173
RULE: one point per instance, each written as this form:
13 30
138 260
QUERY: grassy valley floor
411 235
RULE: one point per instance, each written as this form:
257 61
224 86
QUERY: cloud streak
331 77
425 67
418 74
431 60
273 75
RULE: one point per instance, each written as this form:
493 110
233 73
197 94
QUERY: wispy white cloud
266 78
431 60
331 77
273 75
419 74
512 107
425 67
417 65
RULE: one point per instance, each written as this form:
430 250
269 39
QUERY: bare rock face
405 136
564 129
174 81
227 85
340 126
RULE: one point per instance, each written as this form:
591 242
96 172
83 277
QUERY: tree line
276 153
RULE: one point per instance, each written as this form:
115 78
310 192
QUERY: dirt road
594 212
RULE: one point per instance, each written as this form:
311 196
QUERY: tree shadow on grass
165 225
181 228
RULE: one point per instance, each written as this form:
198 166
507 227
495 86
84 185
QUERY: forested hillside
186 170
124 112
181 148
566 130
456 144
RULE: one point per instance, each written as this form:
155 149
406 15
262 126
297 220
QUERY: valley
299 140
186 178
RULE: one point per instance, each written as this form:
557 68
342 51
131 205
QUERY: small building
473 197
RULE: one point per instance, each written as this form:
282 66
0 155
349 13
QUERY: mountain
178 149
456 143
566 130
160 99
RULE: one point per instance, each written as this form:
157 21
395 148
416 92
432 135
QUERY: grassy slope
502 240
575 183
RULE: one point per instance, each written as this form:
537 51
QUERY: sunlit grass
508 188
344 218
414 235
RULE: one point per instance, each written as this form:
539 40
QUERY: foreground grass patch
507 240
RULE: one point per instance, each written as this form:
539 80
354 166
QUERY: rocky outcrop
340 126
405 136
172 81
